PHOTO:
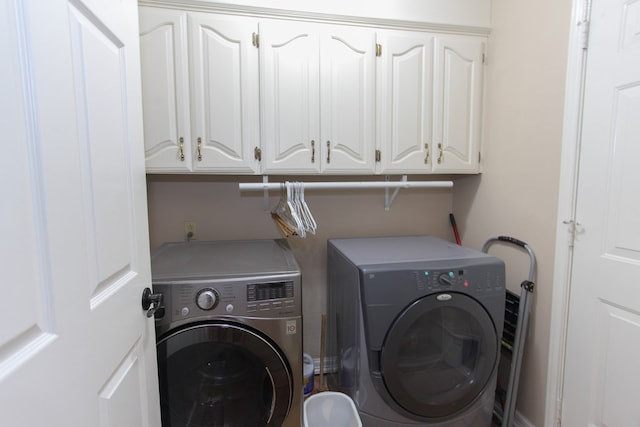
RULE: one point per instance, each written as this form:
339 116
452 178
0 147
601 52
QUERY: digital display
269 291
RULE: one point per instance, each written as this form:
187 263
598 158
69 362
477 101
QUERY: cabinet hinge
484 58
378 49
255 38
257 154
378 155
479 157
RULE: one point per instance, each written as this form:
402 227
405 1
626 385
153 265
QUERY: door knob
151 302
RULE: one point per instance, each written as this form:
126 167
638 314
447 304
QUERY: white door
603 344
165 89
458 84
405 107
290 97
347 99
225 96
75 346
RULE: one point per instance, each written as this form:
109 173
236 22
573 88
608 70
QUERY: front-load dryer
229 334
413 330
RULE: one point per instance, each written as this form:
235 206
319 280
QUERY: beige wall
517 193
222 212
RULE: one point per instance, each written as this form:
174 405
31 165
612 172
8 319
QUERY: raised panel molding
405 104
157 51
28 314
165 90
99 75
289 84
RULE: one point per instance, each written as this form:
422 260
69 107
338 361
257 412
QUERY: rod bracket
389 200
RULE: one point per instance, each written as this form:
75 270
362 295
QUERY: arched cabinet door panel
458 85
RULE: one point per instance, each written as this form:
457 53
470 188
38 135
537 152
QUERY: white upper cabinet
200 92
347 95
165 89
318 98
290 97
225 96
405 93
226 93
458 86
430 102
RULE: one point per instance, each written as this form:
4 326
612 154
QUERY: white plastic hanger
310 222
300 229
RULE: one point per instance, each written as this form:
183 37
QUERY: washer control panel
262 299
270 297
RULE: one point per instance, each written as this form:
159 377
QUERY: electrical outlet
189 230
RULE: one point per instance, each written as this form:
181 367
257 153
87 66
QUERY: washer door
439 356
222 374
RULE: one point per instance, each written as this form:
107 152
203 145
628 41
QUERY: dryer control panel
458 279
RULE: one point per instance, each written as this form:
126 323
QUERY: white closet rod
389 198
349 185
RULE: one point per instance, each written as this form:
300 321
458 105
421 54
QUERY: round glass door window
220 374
439 355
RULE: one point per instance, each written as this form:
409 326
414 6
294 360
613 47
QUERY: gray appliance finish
229 334
413 327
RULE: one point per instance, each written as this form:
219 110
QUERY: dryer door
439 356
222 374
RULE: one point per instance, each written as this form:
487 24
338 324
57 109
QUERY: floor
317 388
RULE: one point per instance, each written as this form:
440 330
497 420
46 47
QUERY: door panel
290 104
225 100
458 103
165 89
122 399
79 344
623 226
603 335
405 104
347 61
27 322
98 66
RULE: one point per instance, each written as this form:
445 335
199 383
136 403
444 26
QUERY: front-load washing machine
413 330
229 334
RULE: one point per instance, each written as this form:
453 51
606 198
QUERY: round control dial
446 279
207 299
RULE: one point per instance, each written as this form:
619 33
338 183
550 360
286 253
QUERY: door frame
566 218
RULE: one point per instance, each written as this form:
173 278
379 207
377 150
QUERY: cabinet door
224 88
458 103
289 78
405 102
347 95
165 89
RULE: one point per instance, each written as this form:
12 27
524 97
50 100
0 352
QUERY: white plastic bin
330 409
